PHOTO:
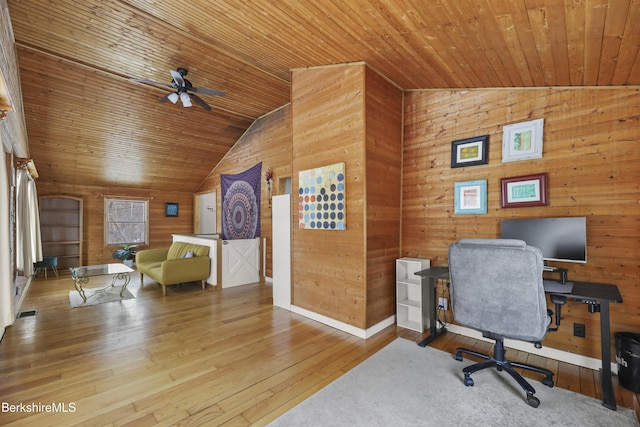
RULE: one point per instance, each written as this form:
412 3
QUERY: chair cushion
154 271
48 261
148 268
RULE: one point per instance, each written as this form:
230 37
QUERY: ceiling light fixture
173 97
186 100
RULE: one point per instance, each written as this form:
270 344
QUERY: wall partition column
6 298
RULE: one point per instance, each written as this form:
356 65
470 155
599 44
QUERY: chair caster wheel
548 382
468 381
533 401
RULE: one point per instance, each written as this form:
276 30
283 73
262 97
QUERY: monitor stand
555 270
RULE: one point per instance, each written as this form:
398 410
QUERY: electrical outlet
579 330
442 302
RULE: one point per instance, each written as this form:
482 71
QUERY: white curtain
28 241
6 299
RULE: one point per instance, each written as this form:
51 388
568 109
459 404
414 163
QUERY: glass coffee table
118 272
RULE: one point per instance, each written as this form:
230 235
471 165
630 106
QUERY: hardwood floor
213 357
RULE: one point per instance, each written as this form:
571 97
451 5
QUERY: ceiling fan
184 90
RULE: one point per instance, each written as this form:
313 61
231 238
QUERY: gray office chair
496 288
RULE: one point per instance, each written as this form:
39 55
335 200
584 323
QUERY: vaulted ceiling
88 123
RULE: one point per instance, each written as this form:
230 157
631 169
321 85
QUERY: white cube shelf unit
412 294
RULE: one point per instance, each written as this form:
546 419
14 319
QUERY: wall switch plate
442 302
579 330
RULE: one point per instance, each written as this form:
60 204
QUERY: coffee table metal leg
79 281
125 277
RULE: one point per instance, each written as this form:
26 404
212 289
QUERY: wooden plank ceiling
88 123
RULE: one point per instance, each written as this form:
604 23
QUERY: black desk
433 274
597 296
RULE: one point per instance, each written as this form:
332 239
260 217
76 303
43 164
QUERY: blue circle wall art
321 198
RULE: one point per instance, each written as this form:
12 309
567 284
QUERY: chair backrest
496 287
179 249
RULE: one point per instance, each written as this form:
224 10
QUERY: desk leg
434 332
608 397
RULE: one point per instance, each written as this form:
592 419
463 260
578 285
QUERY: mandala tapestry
241 204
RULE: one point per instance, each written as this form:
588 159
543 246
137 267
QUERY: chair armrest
151 255
183 270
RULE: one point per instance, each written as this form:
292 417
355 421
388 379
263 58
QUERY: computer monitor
559 239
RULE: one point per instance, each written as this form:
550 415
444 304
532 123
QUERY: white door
207 213
240 262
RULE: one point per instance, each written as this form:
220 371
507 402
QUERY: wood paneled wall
348 113
329 267
13 134
161 227
268 140
383 116
591 154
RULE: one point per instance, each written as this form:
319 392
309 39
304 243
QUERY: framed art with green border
522 141
524 191
470 197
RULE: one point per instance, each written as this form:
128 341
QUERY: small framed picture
522 141
470 197
470 151
524 191
171 209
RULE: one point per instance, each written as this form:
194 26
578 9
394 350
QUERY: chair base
47 261
39 269
501 363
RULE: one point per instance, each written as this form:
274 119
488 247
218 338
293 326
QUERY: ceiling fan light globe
186 101
173 97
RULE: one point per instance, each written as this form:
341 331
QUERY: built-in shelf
61 229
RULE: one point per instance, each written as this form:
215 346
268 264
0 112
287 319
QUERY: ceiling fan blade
208 91
165 98
177 77
150 82
200 102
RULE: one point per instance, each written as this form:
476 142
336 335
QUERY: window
126 221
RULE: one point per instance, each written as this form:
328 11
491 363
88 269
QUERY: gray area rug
407 385
98 296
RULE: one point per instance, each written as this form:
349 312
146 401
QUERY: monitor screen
559 239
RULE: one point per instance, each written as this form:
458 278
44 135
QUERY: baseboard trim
551 353
358 332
